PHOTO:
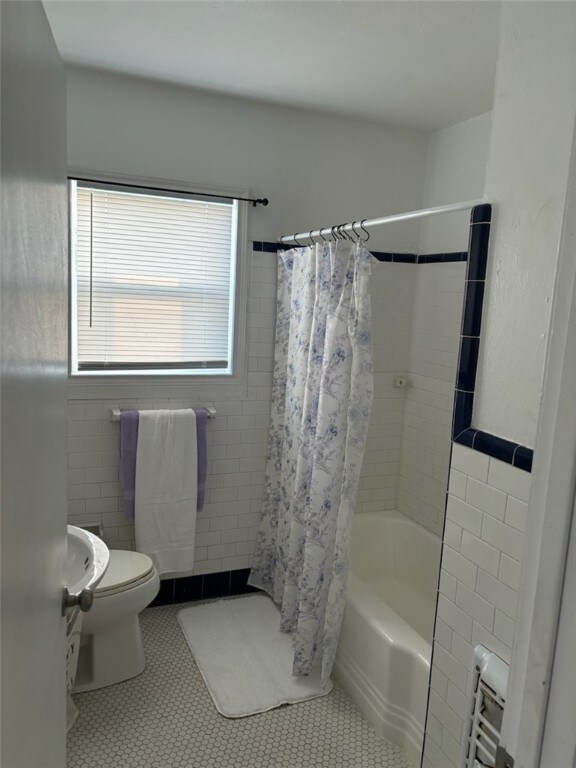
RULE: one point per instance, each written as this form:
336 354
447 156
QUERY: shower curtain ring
296 241
365 230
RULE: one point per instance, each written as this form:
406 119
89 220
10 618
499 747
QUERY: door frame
550 512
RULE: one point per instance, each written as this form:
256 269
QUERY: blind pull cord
91 236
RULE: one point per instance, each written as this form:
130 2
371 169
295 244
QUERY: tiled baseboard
203 587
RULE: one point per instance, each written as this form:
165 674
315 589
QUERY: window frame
177 383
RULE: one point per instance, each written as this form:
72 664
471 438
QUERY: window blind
154 281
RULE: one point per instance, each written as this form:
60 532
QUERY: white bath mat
245 660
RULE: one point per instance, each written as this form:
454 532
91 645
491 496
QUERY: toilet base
112 655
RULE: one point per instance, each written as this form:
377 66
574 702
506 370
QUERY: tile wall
237 438
479 583
228 524
392 299
431 372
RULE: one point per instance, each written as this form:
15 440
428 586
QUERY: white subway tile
449 719
443 634
504 628
84 491
84 428
76 476
78 460
481 636
516 513
439 682
480 553
497 593
460 567
500 535
470 462
464 515
208 566
101 474
509 572
452 535
224 523
100 505
511 480
451 748
454 617
475 606
205 539
486 498
462 651
447 586
457 484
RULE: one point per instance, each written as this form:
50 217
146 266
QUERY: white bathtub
383 657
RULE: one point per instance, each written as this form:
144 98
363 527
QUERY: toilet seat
126 570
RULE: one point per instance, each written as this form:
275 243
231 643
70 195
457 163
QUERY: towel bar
115 412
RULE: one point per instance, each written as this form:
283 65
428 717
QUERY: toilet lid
124 570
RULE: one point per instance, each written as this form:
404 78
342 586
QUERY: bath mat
245 660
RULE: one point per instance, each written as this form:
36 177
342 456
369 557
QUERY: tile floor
165 718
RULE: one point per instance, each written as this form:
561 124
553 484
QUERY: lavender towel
201 420
128 444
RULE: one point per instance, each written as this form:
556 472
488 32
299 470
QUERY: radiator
487 700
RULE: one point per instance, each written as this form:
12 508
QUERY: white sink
86 561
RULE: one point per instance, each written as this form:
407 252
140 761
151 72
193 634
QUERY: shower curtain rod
468 205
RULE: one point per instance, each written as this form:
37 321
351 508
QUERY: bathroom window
153 281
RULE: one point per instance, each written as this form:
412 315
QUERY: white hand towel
167 488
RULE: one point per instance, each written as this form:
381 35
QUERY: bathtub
383 657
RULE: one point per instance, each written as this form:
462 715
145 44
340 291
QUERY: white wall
456 161
317 170
533 122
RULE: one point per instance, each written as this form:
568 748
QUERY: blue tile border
462 431
476 257
208 585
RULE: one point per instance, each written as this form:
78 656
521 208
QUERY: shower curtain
321 400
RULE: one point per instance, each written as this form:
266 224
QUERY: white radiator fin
487 701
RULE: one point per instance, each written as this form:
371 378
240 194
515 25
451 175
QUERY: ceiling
420 63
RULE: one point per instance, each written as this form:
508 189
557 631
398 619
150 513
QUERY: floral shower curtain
322 395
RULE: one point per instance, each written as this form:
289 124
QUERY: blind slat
153 273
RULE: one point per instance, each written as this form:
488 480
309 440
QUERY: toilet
111 642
